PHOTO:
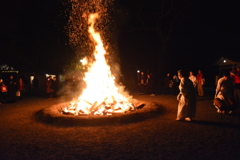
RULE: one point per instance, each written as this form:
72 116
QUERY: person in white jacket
187 98
193 79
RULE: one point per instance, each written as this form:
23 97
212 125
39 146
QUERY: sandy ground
155 135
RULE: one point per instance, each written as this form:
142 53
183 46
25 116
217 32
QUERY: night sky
33 37
204 32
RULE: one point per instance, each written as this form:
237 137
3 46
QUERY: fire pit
101 95
53 116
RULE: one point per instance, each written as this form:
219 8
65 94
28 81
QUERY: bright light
84 61
224 61
101 94
138 71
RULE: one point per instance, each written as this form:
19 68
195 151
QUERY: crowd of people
11 90
146 84
227 95
187 87
226 98
171 83
52 87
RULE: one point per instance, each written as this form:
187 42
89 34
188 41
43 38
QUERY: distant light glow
224 61
84 61
138 71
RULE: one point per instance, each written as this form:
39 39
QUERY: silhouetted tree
164 18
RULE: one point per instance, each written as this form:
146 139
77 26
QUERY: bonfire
102 95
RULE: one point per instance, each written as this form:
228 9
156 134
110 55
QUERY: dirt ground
25 134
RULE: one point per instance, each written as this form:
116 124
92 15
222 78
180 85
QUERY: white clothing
194 80
224 88
187 99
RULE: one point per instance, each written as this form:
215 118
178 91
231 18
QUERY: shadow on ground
225 121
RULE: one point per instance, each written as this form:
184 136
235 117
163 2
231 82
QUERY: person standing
3 92
35 82
193 79
49 87
175 84
236 87
168 84
187 98
20 88
200 83
149 85
55 86
142 82
74 84
12 89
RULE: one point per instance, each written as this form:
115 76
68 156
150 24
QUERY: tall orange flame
101 94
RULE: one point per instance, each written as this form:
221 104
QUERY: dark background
149 35
202 33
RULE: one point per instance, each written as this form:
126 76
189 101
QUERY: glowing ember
101 96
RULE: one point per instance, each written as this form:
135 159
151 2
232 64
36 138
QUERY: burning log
100 108
68 113
84 106
81 113
87 102
140 106
95 104
113 100
118 111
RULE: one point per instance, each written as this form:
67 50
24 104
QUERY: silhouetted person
3 92
142 82
150 85
35 84
12 89
49 87
167 81
200 83
236 90
55 86
20 87
175 84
